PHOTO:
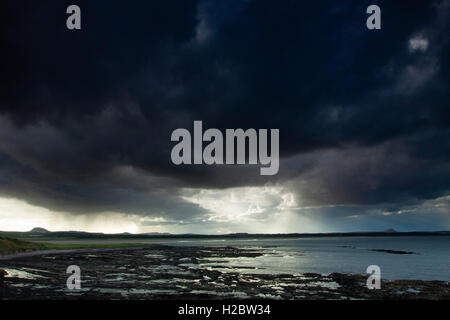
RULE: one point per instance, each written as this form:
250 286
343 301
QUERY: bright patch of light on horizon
18 215
266 209
237 204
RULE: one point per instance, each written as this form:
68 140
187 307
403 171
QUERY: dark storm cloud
401 171
79 106
122 190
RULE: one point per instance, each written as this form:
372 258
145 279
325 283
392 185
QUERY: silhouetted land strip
86 235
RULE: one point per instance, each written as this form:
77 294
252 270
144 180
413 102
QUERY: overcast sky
86 116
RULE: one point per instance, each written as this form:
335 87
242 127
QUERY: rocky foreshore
163 272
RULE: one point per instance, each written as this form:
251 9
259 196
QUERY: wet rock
171 273
3 274
393 251
312 275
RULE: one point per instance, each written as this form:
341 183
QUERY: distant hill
156 234
39 230
390 231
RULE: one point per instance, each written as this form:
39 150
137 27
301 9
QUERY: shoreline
189 273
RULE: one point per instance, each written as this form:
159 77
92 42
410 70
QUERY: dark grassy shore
10 245
164 272
15 246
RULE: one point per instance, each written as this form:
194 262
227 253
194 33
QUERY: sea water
430 259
